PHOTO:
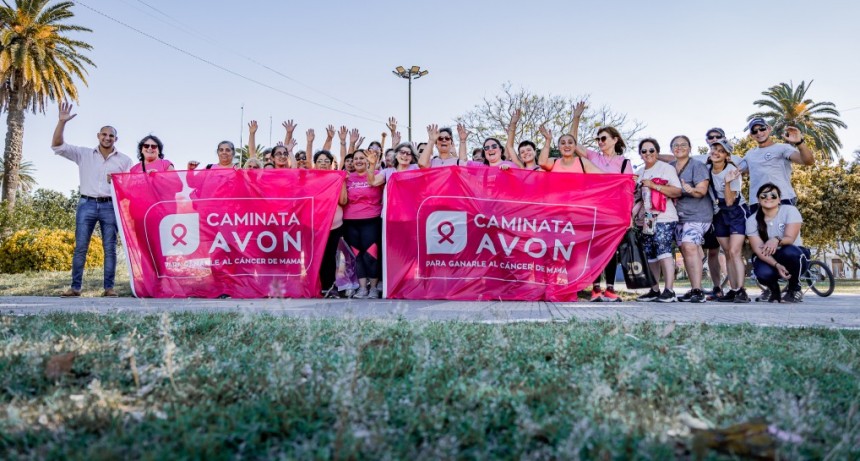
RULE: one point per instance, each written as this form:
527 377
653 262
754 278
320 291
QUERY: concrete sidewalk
836 311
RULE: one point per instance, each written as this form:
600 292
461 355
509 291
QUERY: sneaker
224 296
652 295
373 294
697 296
741 296
774 297
70 293
764 296
610 296
729 297
686 297
793 296
715 294
667 296
596 295
361 293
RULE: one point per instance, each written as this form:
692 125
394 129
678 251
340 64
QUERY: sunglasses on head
491 146
768 195
758 130
150 146
648 151
601 138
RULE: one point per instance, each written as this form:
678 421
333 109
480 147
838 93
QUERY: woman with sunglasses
494 156
774 234
569 161
280 153
363 222
406 159
443 139
150 153
658 218
730 219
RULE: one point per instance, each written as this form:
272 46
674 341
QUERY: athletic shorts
691 232
711 242
730 221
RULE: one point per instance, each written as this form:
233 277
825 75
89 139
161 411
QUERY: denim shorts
659 245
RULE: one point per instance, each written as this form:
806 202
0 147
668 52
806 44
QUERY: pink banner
486 234
240 233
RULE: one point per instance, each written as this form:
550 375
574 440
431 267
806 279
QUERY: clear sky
679 67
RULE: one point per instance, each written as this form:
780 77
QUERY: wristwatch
795 144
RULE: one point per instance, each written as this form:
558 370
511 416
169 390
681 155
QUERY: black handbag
637 274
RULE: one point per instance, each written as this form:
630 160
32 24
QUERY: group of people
692 201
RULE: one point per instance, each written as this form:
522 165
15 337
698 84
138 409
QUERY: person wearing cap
730 219
771 162
95 166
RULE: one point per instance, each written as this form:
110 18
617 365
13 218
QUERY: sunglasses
716 136
648 151
443 138
680 146
279 154
301 157
491 146
323 160
768 196
757 131
601 138
150 146
406 152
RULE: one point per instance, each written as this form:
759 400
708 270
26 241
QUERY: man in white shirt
95 165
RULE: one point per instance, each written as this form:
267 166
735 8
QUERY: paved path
837 311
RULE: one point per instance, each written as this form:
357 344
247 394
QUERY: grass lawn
226 386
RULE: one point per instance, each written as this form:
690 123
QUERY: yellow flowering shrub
45 250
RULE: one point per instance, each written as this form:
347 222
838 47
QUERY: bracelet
798 143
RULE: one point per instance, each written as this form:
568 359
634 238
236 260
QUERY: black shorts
711 242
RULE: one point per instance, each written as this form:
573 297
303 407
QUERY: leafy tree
45 208
492 116
829 201
242 153
26 177
38 64
787 105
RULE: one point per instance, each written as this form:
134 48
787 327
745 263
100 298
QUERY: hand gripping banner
214 232
485 234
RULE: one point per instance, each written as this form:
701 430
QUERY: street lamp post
412 73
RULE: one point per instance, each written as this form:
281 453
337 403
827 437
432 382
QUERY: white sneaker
362 293
373 294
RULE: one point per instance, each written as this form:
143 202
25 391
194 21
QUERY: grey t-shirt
769 164
692 209
787 214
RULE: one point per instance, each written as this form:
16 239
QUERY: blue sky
679 67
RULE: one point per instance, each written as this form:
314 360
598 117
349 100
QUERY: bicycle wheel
819 278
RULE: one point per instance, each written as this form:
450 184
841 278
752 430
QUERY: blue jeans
88 214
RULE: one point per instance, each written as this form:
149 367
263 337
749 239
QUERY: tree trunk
14 150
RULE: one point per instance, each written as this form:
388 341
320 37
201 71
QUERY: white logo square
446 232
179 234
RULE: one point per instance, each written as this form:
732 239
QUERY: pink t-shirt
365 201
503 162
390 171
450 161
158 165
575 167
609 164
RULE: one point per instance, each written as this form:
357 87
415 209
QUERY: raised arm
354 136
329 136
374 178
730 194
341 134
578 109
804 155
291 159
309 147
290 127
432 134
513 155
544 161
252 139
65 115
463 148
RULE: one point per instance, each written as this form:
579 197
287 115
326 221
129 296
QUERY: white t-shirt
665 171
787 214
720 184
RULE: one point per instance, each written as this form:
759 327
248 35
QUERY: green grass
225 386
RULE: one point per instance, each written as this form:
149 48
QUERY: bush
43 208
45 250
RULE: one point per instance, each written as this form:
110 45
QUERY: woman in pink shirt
569 162
323 160
150 152
363 223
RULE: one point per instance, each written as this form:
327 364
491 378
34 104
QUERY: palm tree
788 106
38 63
26 177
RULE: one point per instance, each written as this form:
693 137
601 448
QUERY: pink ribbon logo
179 231
446 231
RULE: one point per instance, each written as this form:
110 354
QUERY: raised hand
341 133
359 143
546 132
290 146
578 109
289 126
462 132
353 135
395 139
732 175
792 135
329 131
66 112
372 158
392 124
432 133
252 127
310 135
515 117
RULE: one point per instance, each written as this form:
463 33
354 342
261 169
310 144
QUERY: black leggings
609 271
365 238
328 268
